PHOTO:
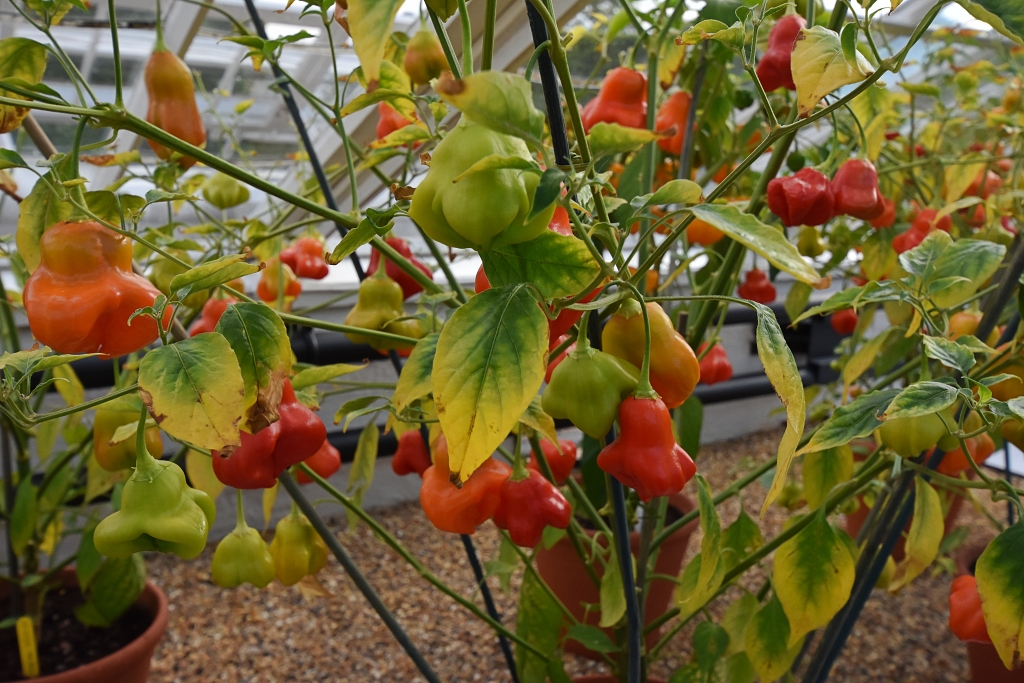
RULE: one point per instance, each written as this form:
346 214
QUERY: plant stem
490 17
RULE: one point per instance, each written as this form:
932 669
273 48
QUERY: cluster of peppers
808 197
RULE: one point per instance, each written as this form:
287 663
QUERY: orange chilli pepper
172 102
461 510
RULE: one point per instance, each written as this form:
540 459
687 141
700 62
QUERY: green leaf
536 419
710 29
396 98
357 237
823 470
736 618
797 298
260 342
548 190
114 588
1005 16
24 515
493 162
740 538
999 572
767 641
949 353
19 58
820 66
607 139
11 159
592 637
975 260
559 265
687 420
443 8
613 595
763 239
676 192
489 364
88 559
711 528
499 100
38 212
317 374
926 530
852 421
926 89
194 390
864 358
691 595
370 25
538 622
360 475
922 398
213 273
922 259
784 375
416 382
349 408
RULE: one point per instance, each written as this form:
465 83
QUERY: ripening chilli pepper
224 192
887 217
855 187
966 619
461 510
714 366
412 454
325 462
263 456
528 504
924 223
172 102
297 549
389 120
306 258
673 113
378 308
213 309
703 233
674 367
561 464
424 57
79 298
159 511
622 99
775 68
978 449
757 287
109 417
844 321
405 281
242 556
273 277
804 198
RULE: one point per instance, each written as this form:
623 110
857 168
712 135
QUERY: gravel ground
286 634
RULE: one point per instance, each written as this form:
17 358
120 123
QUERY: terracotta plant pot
562 570
131 663
605 678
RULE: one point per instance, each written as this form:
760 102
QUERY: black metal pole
634 629
492 609
549 83
357 577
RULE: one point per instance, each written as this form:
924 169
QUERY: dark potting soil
66 643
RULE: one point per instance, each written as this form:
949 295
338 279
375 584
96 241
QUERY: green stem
446 43
115 44
532 62
490 17
46 417
467 40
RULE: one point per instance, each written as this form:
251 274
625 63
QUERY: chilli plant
613 236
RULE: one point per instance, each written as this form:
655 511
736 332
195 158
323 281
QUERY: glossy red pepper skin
622 100
844 322
645 455
412 455
714 366
405 281
561 464
528 506
804 198
213 309
966 620
977 188
855 186
923 224
775 68
461 510
481 283
757 287
887 217
954 462
324 462
263 456
306 258
560 222
555 343
389 120
673 113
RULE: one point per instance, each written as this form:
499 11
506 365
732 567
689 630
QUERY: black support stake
552 102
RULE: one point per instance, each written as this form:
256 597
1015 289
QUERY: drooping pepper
80 297
809 243
645 455
378 307
561 464
263 456
117 413
412 454
273 276
242 557
528 505
775 68
485 208
622 100
714 366
405 281
887 217
297 549
966 619
224 192
159 511
673 114
389 120
461 510
757 287
703 233
172 102
674 367
804 198
844 321
911 436
924 223
325 462
213 309
424 57
306 258
855 186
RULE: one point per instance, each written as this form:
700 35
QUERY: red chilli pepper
923 224
673 113
561 464
263 456
966 620
306 258
775 68
405 281
622 100
757 287
804 198
528 506
714 366
887 217
844 322
412 455
213 309
645 455
389 120
855 186
461 510
324 462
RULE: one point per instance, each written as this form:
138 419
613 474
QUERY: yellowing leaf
812 576
611 138
926 531
194 390
200 473
536 419
415 381
40 210
1004 16
269 498
489 364
498 100
821 65
370 23
405 135
823 470
711 528
959 177
999 571
691 595
874 133
712 29
22 59
613 596
864 358
767 641
669 61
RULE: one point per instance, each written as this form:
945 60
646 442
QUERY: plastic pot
562 570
